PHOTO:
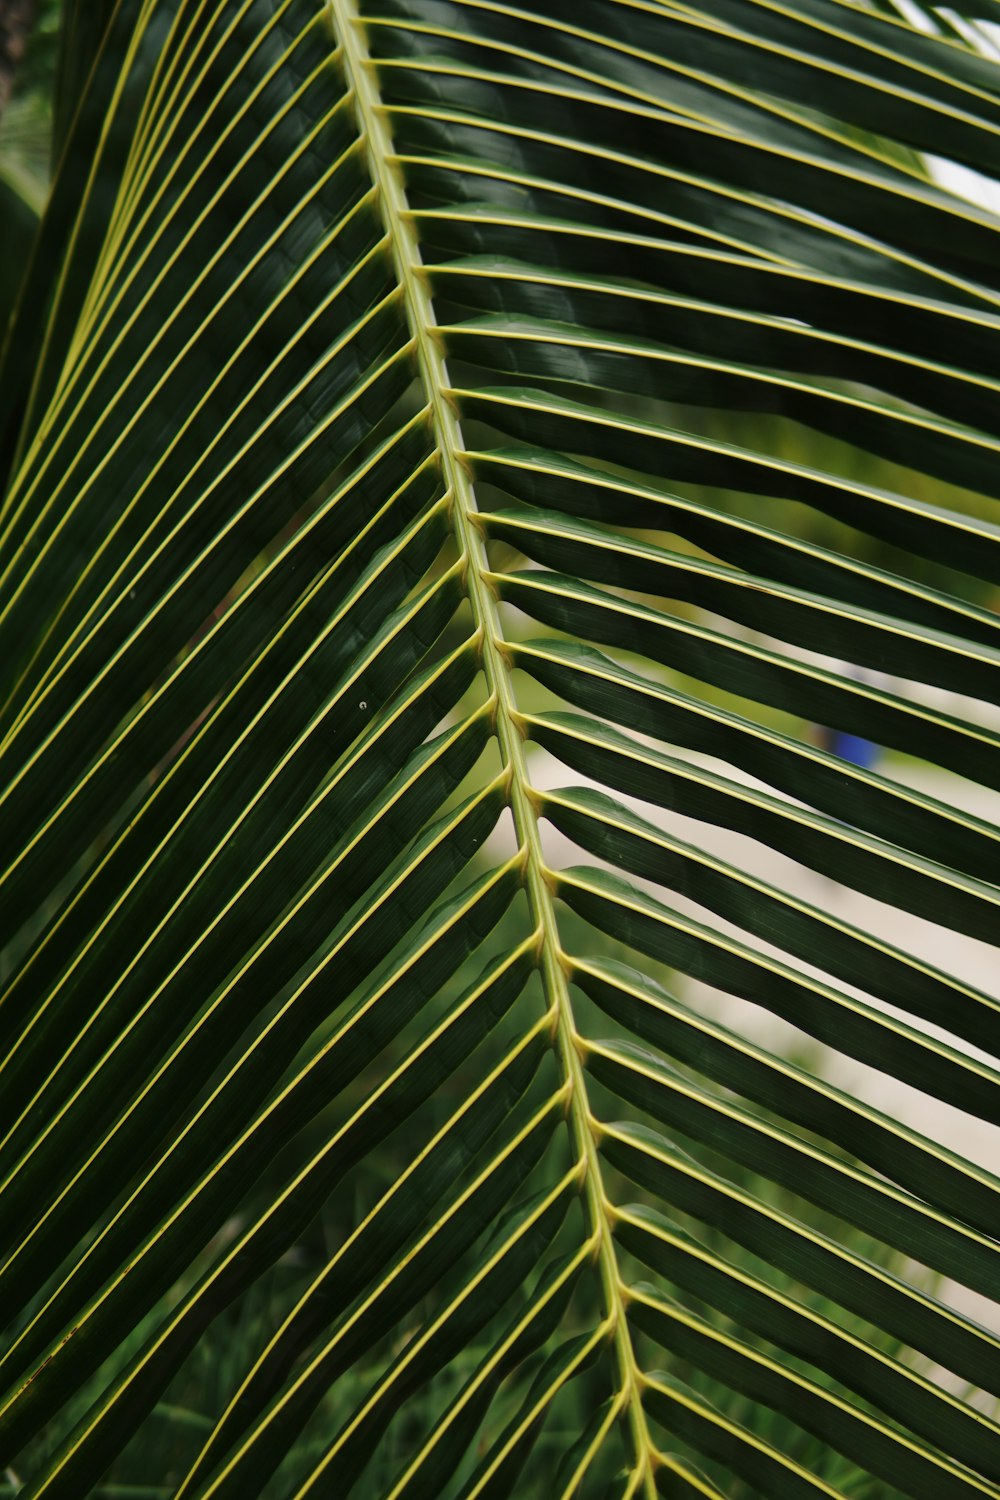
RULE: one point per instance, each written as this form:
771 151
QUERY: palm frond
410 405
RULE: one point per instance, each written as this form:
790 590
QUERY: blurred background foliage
29 44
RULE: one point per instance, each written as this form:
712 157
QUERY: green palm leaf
454 1011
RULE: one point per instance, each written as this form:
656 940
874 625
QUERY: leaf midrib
359 70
